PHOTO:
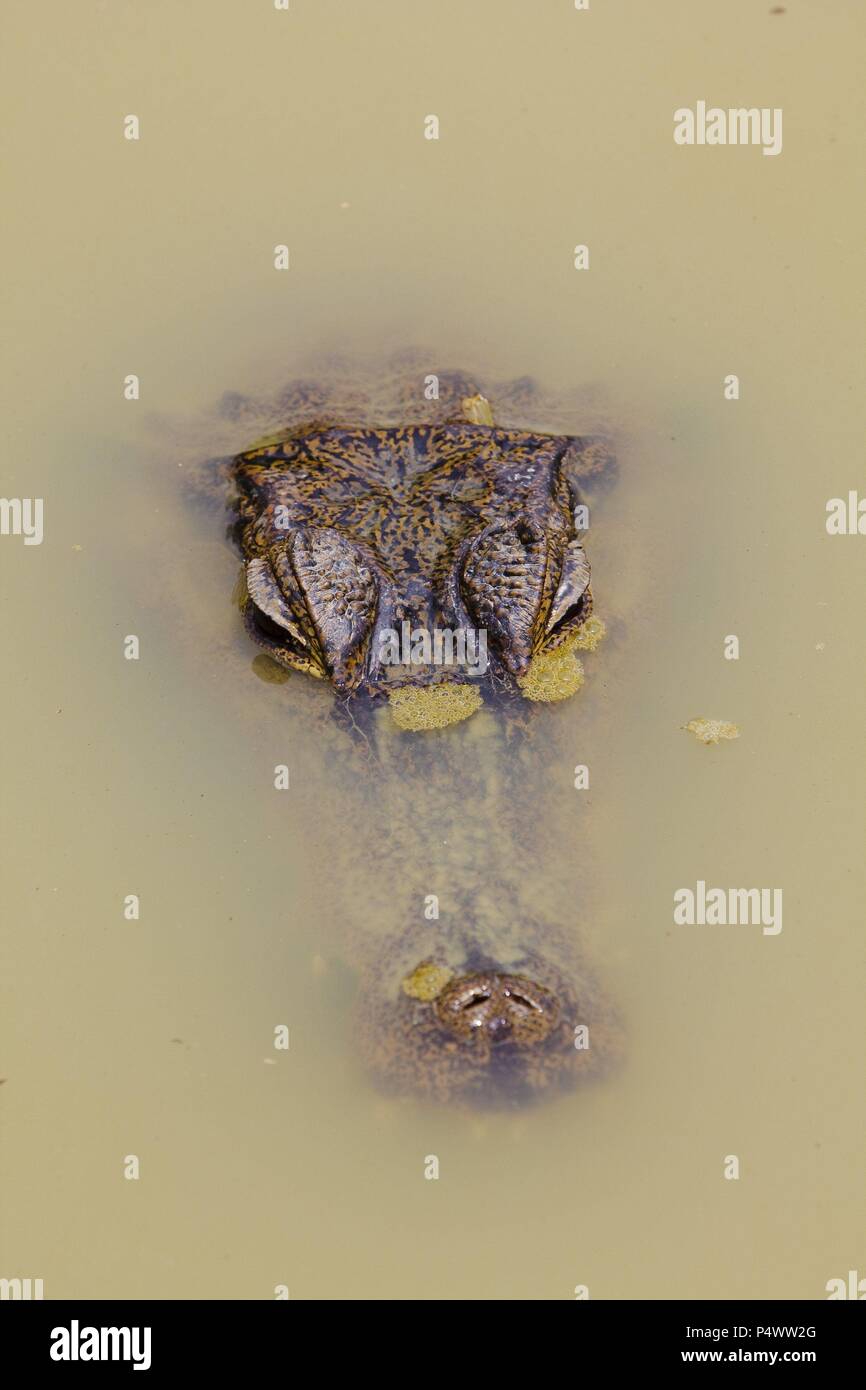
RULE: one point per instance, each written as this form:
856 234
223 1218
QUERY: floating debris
477 410
589 634
711 730
553 675
433 706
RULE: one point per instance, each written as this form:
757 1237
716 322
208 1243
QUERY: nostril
473 1001
522 1002
499 1029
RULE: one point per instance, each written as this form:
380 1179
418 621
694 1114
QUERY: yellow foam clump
433 706
426 981
711 730
589 634
553 675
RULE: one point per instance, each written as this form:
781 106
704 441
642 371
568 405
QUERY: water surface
154 1038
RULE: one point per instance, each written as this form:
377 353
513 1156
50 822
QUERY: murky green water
154 1038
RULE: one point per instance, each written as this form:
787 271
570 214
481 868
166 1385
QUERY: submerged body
352 533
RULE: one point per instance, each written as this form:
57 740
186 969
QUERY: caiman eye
502 583
270 610
340 594
272 631
570 599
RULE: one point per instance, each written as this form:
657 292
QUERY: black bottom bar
161 1338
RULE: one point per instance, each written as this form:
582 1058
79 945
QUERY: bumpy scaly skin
352 520
347 533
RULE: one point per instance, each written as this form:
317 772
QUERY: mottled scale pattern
340 593
503 581
444 525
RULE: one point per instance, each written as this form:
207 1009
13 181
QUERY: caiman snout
489 1035
491 1010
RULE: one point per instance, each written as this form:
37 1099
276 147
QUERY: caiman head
429 555
359 544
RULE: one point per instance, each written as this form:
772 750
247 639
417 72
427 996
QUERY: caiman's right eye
321 591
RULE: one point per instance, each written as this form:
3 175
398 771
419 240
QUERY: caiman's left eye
502 582
573 584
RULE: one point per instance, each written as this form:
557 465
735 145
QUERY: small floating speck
477 410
